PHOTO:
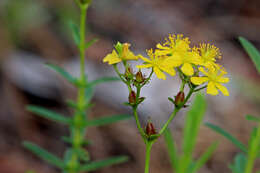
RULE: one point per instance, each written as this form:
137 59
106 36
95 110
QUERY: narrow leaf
103 163
62 72
228 136
43 154
239 163
252 118
171 148
204 158
103 80
75 32
88 44
108 120
48 114
89 93
251 51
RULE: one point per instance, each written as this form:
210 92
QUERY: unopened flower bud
179 99
132 97
139 77
128 73
150 130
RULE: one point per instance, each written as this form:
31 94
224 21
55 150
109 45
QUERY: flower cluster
196 66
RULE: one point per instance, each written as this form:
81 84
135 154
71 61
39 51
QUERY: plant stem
76 129
147 156
141 131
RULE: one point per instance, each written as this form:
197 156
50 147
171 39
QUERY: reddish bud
139 77
132 97
179 99
150 130
128 73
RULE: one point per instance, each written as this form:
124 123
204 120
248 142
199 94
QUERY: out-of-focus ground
33 32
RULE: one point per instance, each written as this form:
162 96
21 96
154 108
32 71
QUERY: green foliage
244 162
90 43
102 80
239 164
252 118
228 136
252 52
184 162
93 166
75 32
107 120
49 114
44 155
63 73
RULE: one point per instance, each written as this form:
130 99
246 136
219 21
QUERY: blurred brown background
33 32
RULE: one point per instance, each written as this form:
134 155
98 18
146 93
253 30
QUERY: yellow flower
122 53
175 43
214 77
208 54
178 50
158 63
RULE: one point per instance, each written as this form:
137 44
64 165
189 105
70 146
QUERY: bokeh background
33 32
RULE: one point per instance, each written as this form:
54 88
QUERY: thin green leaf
252 118
49 114
204 158
44 155
239 163
88 44
89 93
251 51
63 73
228 136
108 120
75 32
171 148
103 80
193 120
103 163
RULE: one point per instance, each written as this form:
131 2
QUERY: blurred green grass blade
48 114
253 149
228 136
93 166
252 118
239 163
193 121
91 42
108 120
204 158
89 93
251 51
44 155
103 80
62 72
171 148
75 32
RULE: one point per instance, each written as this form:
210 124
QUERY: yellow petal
173 61
159 46
222 89
170 70
130 56
144 59
159 74
112 58
211 89
223 80
199 80
187 69
203 71
144 66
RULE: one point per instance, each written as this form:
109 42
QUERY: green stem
141 131
176 110
147 156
